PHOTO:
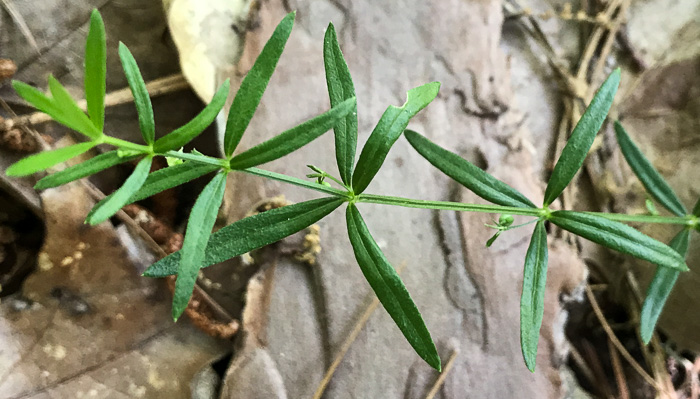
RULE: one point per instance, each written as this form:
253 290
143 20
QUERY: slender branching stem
194 157
448 206
689 221
125 145
297 182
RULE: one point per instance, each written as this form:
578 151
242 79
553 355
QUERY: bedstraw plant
201 248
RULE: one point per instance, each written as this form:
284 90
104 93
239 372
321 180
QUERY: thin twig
22 24
441 378
41 143
594 41
156 87
619 374
613 338
610 39
580 362
349 341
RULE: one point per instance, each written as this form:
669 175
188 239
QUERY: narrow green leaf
467 174
83 169
253 232
96 70
172 176
653 182
294 138
142 100
44 160
576 149
38 100
199 226
696 209
112 204
340 88
532 299
47 105
183 135
660 288
619 237
254 84
163 179
70 112
389 288
387 131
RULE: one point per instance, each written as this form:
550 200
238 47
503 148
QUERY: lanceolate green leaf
183 135
83 169
292 139
619 237
696 209
164 179
467 174
340 88
254 84
199 226
172 176
44 160
46 105
389 288
39 101
660 288
532 299
252 232
387 131
655 185
96 70
576 149
70 111
106 209
142 100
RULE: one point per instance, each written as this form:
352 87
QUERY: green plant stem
200 158
259 172
337 181
123 144
448 206
689 221
297 182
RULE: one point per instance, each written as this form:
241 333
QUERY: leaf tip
435 362
646 333
12 171
531 367
530 360
149 272
123 49
96 17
